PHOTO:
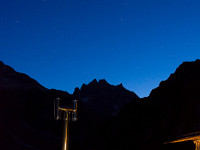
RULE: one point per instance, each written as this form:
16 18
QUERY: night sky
65 43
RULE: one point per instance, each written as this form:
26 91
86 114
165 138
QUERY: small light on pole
66 114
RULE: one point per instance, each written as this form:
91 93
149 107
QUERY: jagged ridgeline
110 117
30 105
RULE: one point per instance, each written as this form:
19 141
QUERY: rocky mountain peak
94 82
103 81
9 78
103 98
185 76
171 110
5 69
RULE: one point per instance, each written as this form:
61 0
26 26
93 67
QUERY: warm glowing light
195 137
197 144
67 111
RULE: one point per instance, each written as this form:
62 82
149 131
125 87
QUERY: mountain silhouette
98 101
170 111
110 117
103 98
27 110
11 79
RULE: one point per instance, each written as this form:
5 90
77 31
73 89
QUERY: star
17 19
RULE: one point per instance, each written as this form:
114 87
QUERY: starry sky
65 43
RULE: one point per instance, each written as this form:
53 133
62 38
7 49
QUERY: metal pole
68 113
65 138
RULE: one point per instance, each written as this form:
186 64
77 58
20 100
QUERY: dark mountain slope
27 111
104 99
98 101
171 110
11 79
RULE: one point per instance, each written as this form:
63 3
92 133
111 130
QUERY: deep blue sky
64 43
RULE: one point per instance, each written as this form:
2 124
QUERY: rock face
11 79
98 101
110 117
27 111
104 99
170 111
179 96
